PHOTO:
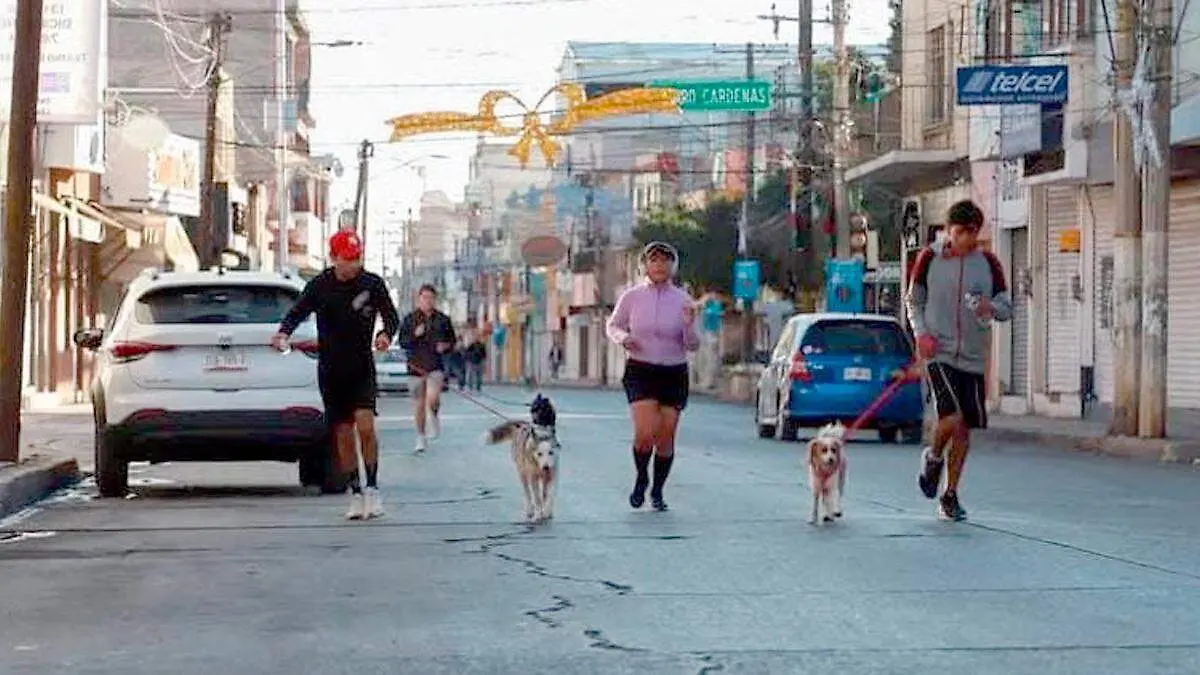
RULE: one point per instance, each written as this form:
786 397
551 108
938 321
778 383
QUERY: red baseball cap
346 245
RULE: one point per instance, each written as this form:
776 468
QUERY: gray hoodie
937 304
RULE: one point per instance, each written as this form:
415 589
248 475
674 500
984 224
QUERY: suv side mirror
89 338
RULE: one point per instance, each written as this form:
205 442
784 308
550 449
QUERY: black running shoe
638 496
656 500
950 508
931 473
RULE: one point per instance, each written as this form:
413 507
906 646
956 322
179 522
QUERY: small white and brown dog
827 473
535 450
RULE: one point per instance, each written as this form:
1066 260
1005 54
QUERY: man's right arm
918 292
304 307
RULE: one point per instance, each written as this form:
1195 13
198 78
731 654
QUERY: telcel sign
1009 85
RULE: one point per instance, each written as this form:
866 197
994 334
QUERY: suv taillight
799 370
310 347
124 352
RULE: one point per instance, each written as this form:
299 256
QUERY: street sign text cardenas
1008 85
737 95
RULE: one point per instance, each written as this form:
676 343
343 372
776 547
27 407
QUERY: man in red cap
347 301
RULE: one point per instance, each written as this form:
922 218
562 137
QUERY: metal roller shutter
1020 320
1183 285
1062 316
1101 207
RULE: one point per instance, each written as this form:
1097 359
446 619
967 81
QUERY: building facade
1043 176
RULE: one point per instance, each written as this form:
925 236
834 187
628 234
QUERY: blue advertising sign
844 285
746 280
1011 85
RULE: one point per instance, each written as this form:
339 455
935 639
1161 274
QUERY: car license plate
225 361
857 375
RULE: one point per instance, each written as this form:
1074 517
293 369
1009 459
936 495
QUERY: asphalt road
1071 564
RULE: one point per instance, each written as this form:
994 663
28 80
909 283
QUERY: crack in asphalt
543 615
600 641
710 664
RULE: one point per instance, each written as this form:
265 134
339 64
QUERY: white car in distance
185 372
391 371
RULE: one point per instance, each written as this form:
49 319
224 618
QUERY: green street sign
733 95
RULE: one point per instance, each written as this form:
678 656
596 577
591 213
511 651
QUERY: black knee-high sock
662 469
353 481
641 461
372 475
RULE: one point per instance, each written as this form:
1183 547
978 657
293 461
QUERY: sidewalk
1182 444
56 447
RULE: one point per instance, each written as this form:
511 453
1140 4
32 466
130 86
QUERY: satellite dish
145 131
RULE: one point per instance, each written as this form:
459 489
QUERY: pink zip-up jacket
653 315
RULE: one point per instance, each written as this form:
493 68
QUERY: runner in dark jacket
427 335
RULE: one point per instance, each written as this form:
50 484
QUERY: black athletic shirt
423 356
346 313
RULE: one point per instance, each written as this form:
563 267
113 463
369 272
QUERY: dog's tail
502 433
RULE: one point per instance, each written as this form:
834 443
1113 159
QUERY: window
215 305
1063 20
936 65
856 338
997 31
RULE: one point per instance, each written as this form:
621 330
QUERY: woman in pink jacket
654 322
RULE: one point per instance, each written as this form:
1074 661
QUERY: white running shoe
357 507
421 444
435 424
374 503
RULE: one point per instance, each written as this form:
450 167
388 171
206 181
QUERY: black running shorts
345 395
953 388
668 385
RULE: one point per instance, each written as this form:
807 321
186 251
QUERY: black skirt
668 385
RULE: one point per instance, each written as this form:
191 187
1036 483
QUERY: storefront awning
909 171
166 235
79 226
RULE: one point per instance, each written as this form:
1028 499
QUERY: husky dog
827 473
535 456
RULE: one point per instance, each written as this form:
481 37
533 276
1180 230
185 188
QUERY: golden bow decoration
532 131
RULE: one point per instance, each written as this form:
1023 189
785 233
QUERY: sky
432 55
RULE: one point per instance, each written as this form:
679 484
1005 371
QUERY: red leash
884 396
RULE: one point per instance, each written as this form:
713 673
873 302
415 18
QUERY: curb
1166 451
33 480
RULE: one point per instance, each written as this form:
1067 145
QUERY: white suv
185 372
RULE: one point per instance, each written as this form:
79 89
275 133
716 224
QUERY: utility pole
18 230
218 27
282 242
365 152
1156 200
744 224
841 108
1127 241
802 202
602 289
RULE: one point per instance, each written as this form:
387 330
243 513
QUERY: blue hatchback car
831 367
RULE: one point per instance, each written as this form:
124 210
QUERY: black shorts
953 388
668 385
344 396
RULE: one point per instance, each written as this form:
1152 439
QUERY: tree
895 41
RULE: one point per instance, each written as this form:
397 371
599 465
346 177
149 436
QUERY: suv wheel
317 469
112 469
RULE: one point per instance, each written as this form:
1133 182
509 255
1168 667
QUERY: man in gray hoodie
955 291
